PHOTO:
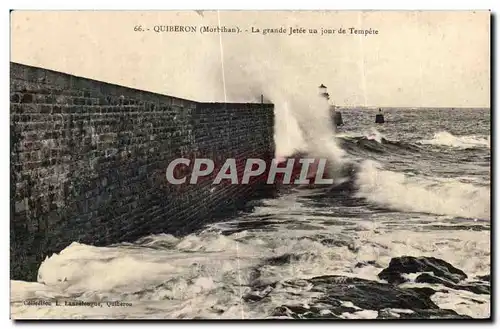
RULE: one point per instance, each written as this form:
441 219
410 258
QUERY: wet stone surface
350 297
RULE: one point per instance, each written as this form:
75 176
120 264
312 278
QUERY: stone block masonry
88 162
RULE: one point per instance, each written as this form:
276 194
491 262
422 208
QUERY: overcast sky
417 59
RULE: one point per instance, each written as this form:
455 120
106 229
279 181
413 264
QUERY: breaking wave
374 141
444 138
418 194
416 189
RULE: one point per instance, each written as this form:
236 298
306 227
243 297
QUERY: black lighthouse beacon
379 118
337 116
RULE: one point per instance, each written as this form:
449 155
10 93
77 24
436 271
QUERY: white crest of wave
398 191
375 135
447 139
372 134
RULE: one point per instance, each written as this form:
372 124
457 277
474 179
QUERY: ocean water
420 187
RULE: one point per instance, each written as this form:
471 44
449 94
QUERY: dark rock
364 295
257 295
410 264
287 258
477 288
300 312
363 264
426 292
429 278
370 295
282 259
484 277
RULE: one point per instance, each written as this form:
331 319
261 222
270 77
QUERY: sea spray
303 119
315 120
279 70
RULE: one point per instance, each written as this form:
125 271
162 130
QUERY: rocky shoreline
342 297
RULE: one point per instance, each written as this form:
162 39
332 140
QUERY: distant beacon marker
337 118
379 118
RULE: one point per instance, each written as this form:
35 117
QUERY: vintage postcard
250 165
